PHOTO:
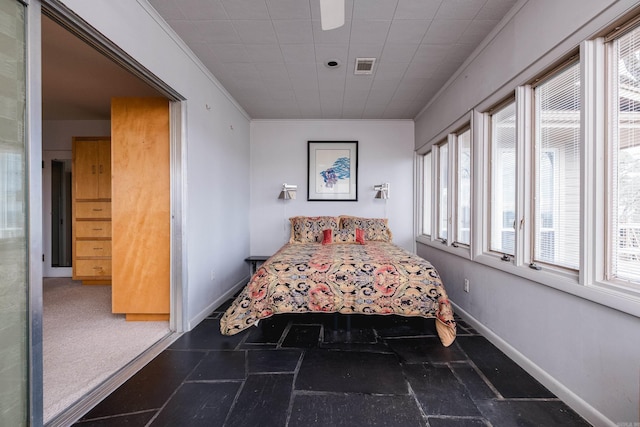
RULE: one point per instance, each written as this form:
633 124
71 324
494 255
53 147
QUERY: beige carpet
83 342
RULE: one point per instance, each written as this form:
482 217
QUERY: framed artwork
332 171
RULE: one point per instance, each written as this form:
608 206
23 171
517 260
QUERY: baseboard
583 408
215 304
74 412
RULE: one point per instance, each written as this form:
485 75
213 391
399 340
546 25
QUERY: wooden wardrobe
140 213
91 209
121 209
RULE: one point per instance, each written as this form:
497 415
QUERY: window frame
426 202
488 119
608 44
573 60
447 136
590 281
455 212
439 175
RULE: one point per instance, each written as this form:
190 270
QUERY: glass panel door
14 322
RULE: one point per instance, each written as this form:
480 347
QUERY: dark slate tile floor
328 370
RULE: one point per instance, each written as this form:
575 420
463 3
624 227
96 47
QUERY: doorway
74 55
56 203
60 213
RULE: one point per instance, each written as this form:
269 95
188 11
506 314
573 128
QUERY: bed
346 265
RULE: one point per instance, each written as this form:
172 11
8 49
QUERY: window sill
461 251
602 294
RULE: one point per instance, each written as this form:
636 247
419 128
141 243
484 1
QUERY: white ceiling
78 82
271 54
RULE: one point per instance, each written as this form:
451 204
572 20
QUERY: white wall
585 352
216 149
590 352
57 134
279 155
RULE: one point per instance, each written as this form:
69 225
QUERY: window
463 181
443 184
502 207
426 196
447 190
559 171
556 178
623 204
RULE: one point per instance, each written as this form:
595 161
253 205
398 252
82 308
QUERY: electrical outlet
213 275
466 285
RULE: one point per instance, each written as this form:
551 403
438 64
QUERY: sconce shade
288 192
287 195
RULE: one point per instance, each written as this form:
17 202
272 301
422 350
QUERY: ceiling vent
364 65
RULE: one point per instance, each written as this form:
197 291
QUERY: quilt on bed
376 278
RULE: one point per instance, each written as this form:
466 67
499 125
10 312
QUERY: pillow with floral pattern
307 229
375 229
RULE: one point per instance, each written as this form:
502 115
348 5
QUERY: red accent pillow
327 236
360 236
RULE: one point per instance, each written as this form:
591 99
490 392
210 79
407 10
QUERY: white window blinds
463 208
503 180
624 163
557 169
426 197
443 184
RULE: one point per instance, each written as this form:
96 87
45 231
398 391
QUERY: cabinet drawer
93 210
90 229
93 267
93 248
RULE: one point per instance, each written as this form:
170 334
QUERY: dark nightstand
254 260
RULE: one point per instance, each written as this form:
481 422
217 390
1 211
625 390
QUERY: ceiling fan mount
331 14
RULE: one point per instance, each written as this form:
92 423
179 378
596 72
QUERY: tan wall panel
140 205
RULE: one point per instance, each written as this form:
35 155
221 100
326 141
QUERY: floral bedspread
376 278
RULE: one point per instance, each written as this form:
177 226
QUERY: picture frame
332 171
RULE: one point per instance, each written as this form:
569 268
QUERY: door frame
60 13
47 207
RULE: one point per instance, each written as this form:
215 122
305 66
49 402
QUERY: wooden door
140 207
85 168
104 169
92 168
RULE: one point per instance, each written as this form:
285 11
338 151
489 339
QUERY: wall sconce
383 191
288 191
